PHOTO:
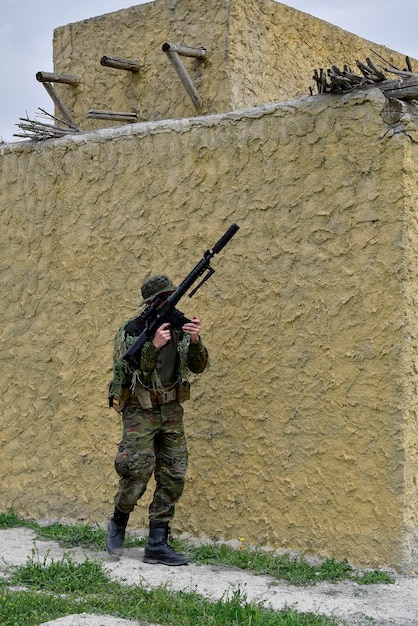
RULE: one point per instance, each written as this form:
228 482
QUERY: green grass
294 569
52 589
63 576
77 535
11 520
59 588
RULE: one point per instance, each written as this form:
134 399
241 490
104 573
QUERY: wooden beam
48 77
402 89
185 51
114 116
59 103
173 55
120 64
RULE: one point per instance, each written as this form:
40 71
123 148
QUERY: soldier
148 395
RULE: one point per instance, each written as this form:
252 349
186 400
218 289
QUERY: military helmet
154 285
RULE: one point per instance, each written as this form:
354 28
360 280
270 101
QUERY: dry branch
39 131
335 80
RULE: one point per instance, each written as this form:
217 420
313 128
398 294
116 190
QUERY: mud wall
303 432
258 51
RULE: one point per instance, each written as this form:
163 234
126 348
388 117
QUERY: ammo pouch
118 403
183 391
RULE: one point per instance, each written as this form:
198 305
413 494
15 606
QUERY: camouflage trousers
153 441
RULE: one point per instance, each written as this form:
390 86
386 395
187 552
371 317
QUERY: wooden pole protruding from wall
173 52
120 64
47 79
51 77
113 116
185 51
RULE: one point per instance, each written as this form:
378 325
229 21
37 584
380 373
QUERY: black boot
157 549
116 532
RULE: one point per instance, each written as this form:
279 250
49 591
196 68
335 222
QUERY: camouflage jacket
189 357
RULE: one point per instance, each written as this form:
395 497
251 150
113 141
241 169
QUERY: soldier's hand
193 328
162 336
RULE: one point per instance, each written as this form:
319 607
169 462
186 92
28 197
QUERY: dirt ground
350 603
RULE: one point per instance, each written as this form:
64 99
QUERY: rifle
161 310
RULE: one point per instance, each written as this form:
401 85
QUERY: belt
163 397
158 397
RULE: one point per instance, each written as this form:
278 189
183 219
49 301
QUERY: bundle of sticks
39 131
335 80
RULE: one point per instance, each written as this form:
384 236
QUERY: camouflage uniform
153 438
147 389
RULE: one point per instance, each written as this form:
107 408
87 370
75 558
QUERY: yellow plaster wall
257 51
302 433
411 294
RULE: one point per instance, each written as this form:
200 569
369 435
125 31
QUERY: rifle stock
153 316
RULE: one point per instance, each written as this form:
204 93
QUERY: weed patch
295 570
63 587
42 590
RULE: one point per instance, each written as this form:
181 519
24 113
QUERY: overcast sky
26 29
